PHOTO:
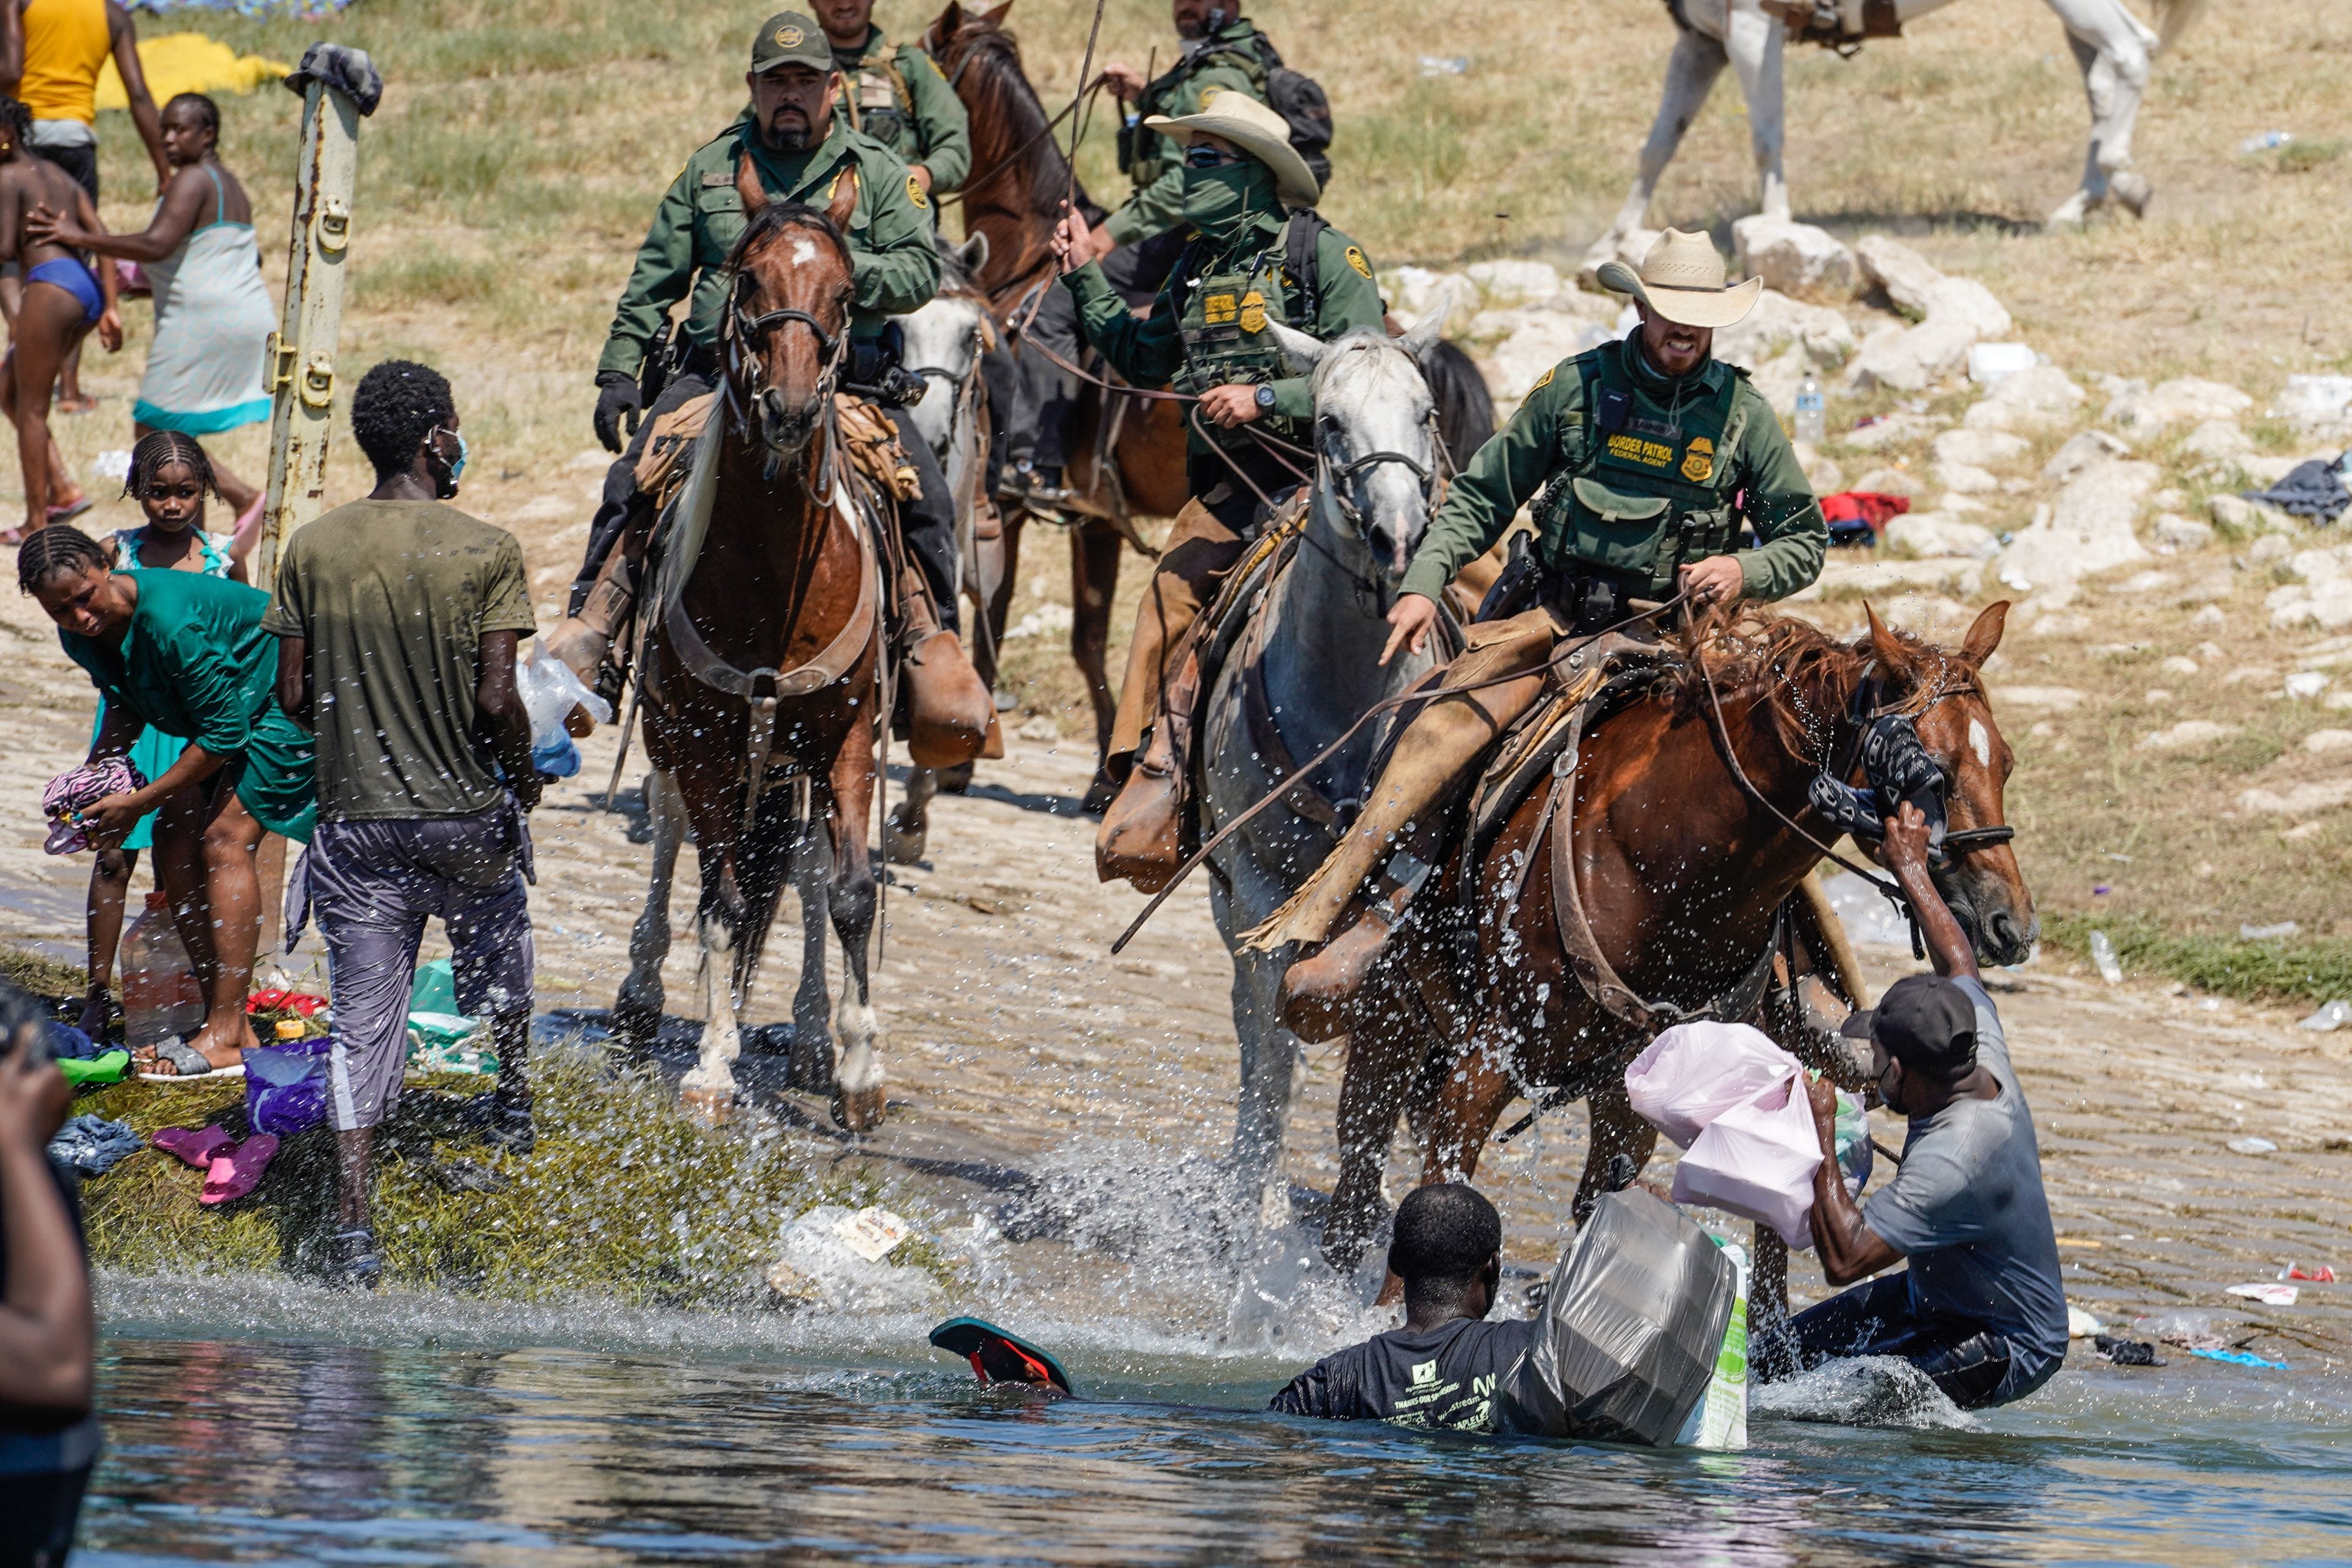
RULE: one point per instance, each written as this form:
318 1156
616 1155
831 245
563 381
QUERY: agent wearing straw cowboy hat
1641 459
1247 264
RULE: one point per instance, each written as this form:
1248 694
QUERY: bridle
750 401
1342 482
1868 711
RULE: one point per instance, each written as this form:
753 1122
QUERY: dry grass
508 177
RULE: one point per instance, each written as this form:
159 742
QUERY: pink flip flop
235 1174
198 1146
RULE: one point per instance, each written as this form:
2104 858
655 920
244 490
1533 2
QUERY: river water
261 1421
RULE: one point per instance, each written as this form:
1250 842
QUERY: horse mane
990 55
1801 674
778 216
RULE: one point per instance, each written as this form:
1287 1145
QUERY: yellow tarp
188 62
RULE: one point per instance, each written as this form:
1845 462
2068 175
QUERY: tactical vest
1643 495
875 98
1222 316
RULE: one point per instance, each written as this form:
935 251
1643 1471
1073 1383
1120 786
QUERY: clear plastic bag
550 692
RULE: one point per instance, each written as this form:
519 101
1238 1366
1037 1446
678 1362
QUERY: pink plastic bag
1696 1072
1756 1160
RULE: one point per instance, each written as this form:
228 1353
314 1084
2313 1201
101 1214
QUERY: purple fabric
285 1085
79 788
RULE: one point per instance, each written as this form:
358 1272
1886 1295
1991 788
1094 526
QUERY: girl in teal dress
184 652
170 477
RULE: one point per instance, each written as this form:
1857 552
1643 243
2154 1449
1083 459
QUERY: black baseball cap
789 37
1927 1023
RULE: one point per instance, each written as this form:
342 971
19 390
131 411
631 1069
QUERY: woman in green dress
184 654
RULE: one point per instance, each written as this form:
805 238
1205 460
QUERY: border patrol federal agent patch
1542 382
1698 465
788 37
1253 311
914 192
1217 310
1356 259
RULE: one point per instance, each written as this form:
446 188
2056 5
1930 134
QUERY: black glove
618 397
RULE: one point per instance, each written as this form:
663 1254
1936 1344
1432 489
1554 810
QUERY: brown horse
763 674
1680 874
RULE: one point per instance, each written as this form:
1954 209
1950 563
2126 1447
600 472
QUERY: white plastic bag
550 692
1696 1072
1756 1160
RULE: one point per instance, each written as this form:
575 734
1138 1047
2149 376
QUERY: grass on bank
2296 971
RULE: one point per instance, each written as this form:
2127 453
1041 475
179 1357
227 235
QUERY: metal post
301 368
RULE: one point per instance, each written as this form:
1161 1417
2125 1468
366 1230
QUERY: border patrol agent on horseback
1641 460
1247 264
1138 243
798 148
893 93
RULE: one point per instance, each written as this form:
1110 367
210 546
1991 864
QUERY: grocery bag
285 1085
1757 1159
1693 1072
1720 1420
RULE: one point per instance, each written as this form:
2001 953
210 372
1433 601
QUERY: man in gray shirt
1981 1309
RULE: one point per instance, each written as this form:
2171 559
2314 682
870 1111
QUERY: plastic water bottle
161 997
2103 954
1812 423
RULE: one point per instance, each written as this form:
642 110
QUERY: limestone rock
1628 249
2089 447
2326 604
2189 734
1885 430
2301 800
1779 380
1514 281
2264 470
1918 286
1934 534
1537 340
1793 259
2242 515
1822 473
2056 699
1914 360
1887 482
2217 440
2316 405
2270 548
1413 289
2184 398
1966 478
1778 321
2087 531
1981 449
2213 585
1887 576
2038 399
2174 534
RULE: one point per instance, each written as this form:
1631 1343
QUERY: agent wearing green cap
1259 253
896 95
792 138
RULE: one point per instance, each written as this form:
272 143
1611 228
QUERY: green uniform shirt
701 217
392 600
196 664
1153 351
897 96
1154 163
1554 444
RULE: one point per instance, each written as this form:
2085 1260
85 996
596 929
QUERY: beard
788 134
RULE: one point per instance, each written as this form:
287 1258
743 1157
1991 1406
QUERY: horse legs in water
1384 1048
637 1015
1094 580
1274 1066
852 894
707 1089
811 1067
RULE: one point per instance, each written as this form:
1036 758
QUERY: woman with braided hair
170 477
183 653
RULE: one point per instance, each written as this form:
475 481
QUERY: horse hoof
709 1107
859 1110
637 1019
2132 189
900 847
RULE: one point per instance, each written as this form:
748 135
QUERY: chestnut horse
1681 873
763 674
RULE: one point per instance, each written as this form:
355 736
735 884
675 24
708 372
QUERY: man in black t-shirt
1446 1366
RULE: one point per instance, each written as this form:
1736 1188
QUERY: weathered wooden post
337 86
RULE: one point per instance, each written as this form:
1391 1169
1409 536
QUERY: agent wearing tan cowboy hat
1259 253
1643 460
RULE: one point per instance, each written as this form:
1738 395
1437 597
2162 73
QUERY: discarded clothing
348 70
1859 517
189 62
2314 489
2125 1351
65 1041
76 789
92 1144
2240 1358
106 1067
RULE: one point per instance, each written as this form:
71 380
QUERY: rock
1916 287
2140 582
2060 624
1883 431
2186 398
2305 684
1966 479
1537 340
2212 615
2091 446
1512 281
1413 289
2178 665
2237 515
1933 534
2217 440
1778 323
1982 448
1779 380
2032 400
1821 473
2058 699
2088 530
1795 259
1884 576
1887 482
2189 734
2325 740
2316 405
2264 471
2207 589
2174 534
2270 548
2318 565
2300 801
1930 615
1914 360
2327 605
1628 248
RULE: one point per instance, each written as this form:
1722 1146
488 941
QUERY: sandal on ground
70 510
197 1146
188 1064
234 1174
11 537
81 403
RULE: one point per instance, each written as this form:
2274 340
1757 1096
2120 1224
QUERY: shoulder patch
1356 259
1209 94
914 192
1542 381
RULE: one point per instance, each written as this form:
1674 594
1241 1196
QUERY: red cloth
1867 506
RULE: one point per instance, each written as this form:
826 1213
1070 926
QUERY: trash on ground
2268 141
1991 362
2331 1016
2252 1146
2318 1274
2103 954
449 1042
816 1268
92 1144
2125 1351
114 464
2268 1293
873 1233
286 1084
2238 1358
107 1067
2251 933
1445 65
2081 1324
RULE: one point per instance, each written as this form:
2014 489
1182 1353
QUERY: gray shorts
372 885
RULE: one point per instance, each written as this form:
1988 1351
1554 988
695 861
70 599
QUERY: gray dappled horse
1320 632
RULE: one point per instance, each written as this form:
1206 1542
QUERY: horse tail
2174 18
1465 409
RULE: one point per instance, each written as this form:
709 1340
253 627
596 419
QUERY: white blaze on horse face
1980 743
804 252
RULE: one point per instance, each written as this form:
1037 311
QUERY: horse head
787 324
1379 457
945 340
1944 696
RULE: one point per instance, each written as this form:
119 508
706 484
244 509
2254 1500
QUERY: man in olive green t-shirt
397 618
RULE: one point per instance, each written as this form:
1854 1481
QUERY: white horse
1321 630
2111 45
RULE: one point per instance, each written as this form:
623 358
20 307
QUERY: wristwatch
1265 396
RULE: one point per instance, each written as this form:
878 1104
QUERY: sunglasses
1203 157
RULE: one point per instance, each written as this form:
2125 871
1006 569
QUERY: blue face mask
456 465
